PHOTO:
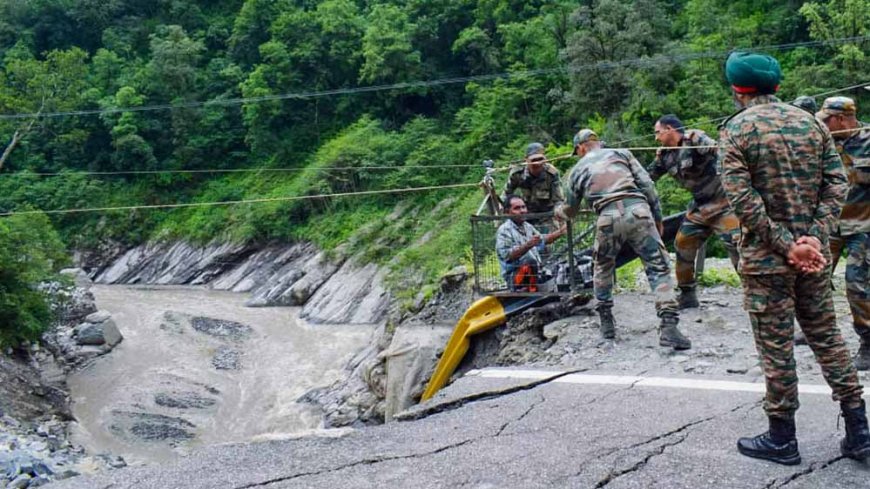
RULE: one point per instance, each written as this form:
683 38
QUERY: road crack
520 418
776 483
611 476
368 461
377 460
481 396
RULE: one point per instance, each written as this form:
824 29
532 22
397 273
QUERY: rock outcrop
331 290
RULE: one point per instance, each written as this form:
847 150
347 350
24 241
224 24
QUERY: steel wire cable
635 62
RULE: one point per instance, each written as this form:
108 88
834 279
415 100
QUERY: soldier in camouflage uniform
696 167
853 233
785 182
622 194
538 183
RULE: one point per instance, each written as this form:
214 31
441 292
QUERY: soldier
785 182
537 182
519 246
622 194
697 170
853 234
807 103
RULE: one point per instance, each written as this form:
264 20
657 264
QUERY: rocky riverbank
35 414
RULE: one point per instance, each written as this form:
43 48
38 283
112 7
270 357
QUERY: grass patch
626 275
719 276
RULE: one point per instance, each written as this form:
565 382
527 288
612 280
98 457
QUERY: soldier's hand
810 240
806 258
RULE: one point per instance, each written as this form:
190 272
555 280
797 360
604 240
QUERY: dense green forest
101 73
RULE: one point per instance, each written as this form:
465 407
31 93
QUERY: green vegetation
568 61
30 251
719 276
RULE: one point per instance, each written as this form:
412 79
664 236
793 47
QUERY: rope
719 119
640 62
230 170
235 202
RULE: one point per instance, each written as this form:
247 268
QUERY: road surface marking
675 382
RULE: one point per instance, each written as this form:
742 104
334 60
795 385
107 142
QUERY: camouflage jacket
855 151
608 175
784 179
541 193
697 170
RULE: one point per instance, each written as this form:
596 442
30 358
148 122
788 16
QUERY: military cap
753 73
534 149
837 106
807 103
584 135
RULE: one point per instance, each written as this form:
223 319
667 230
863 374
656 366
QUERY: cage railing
562 267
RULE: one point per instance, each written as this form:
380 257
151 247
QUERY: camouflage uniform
509 237
785 180
541 193
622 194
853 233
697 170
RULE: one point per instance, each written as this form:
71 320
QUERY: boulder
98 317
104 333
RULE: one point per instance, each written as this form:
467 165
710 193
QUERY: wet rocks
221 328
226 358
33 454
151 427
183 400
98 329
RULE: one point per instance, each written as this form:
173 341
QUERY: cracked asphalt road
494 432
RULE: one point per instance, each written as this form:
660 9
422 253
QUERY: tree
839 19
387 49
31 86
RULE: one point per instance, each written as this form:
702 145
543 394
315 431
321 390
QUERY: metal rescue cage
565 266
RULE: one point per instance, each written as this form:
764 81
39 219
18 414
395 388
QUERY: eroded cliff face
336 290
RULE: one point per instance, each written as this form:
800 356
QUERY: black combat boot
608 325
856 445
779 444
670 335
688 298
862 358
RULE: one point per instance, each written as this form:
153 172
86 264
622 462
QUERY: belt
621 203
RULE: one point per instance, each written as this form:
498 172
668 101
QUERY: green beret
748 71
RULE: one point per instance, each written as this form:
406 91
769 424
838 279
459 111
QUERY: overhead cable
235 202
655 60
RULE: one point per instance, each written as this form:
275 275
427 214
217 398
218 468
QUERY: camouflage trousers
632 225
773 302
693 233
857 278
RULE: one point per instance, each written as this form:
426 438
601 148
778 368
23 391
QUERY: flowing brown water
122 397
